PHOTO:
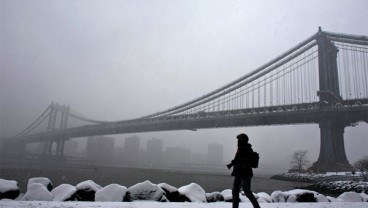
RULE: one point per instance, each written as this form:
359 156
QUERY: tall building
131 148
100 148
215 153
154 150
177 155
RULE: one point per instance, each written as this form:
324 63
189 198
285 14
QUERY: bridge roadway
348 112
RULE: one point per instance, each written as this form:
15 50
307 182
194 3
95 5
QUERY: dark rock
306 197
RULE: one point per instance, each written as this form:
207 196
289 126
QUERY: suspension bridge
322 80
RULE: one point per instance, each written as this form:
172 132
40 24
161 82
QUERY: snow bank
112 193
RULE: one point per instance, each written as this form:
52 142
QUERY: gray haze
117 60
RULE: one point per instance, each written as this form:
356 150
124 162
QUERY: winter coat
242 167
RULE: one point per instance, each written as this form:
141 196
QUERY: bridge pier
47 150
332 156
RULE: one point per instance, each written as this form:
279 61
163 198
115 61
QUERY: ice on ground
112 193
42 180
37 192
193 192
64 192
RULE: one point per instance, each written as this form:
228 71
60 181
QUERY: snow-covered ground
150 204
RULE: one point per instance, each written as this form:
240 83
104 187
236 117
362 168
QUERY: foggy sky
117 60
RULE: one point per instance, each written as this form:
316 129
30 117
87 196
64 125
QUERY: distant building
215 153
131 149
177 155
100 148
154 150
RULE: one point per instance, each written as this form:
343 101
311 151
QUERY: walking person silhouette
242 171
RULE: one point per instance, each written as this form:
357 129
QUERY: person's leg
235 191
246 185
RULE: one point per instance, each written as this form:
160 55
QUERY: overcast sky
117 60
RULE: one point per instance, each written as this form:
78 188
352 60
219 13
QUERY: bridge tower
332 154
54 111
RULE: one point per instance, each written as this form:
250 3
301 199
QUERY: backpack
254 160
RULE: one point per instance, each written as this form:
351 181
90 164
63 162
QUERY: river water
103 176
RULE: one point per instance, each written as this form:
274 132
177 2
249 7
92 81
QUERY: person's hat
242 137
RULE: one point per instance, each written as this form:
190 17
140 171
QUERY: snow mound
265 196
111 193
64 192
351 197
321 198
42 180
145 191
278 196
86 190
364 197
37 192
8 189
227 194
193 192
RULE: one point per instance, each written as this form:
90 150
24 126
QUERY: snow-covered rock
227 194
42 180
193 192
172 193
64 192
8 189
214 197
37 192
351 197
300 195
145 191
321 198
265 196
86 190
278 196
111 193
